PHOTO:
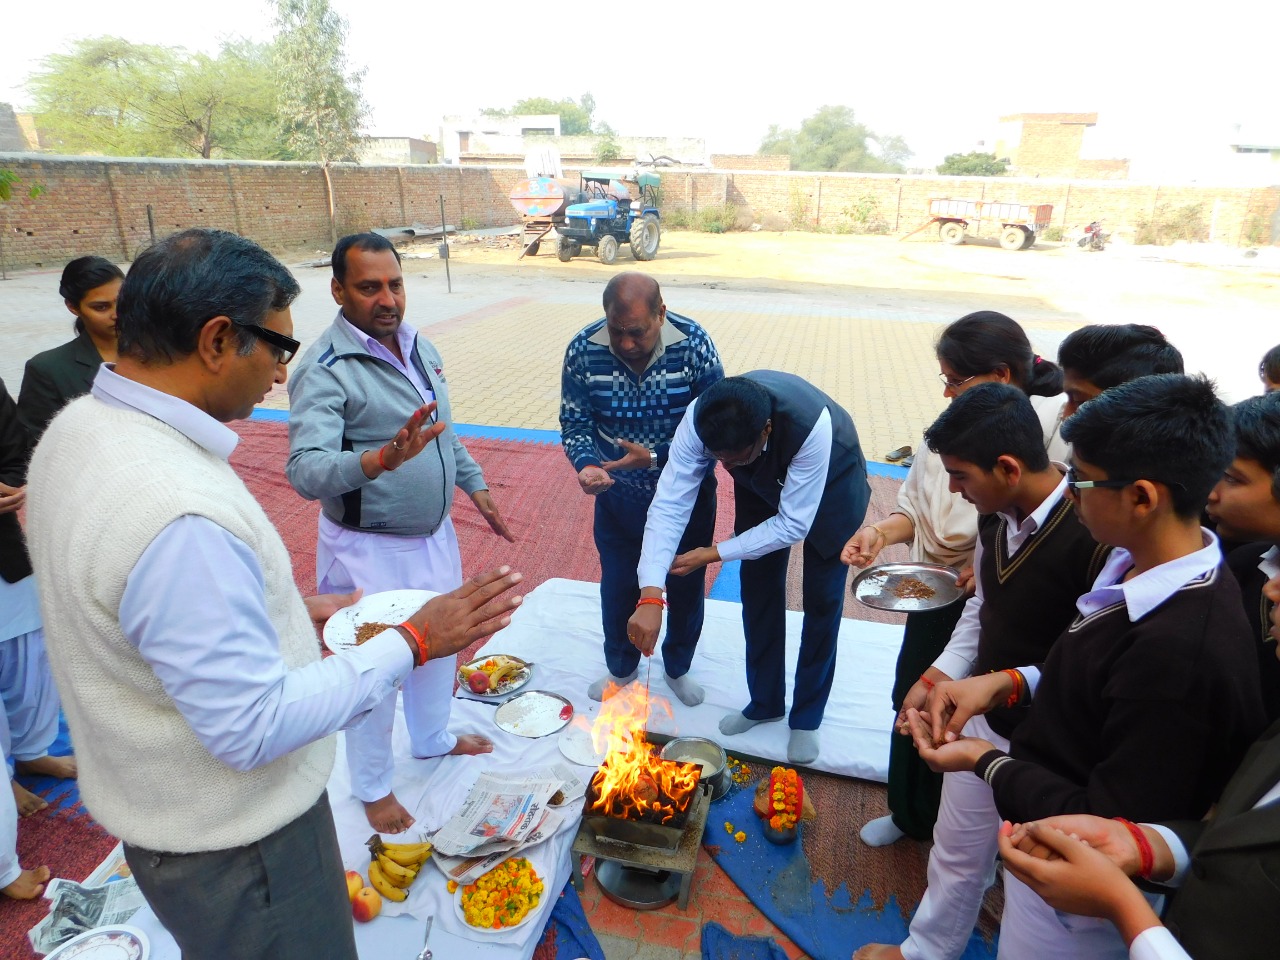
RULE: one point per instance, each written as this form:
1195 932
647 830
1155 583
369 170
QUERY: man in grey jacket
358 403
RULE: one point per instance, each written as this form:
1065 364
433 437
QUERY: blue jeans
619 533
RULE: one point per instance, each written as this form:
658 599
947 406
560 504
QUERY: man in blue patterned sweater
626 383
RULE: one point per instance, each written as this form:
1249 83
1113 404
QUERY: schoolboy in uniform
1033 560
1245 505
1148 701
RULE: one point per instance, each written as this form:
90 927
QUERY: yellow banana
384 886
506 670
397 874
406 854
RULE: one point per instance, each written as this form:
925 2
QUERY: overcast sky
1168 77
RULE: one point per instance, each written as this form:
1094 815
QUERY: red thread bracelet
657 601
928 684
1146 856
382 463
420 639
1017 687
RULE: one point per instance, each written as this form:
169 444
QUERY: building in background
396 151
497 134
1056 145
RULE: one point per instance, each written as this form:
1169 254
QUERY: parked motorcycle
1094 238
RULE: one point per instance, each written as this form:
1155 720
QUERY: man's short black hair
731 414
368 242
613 290
1257 423
177 286
1108 356
1270 365
1168 428
987 422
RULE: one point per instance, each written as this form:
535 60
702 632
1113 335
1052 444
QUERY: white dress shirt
688 463
195 609
961 652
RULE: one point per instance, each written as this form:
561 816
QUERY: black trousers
282 898
915 791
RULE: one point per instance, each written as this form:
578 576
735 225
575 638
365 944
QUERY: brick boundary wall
99 205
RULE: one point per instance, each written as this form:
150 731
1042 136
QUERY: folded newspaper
108 896
501 815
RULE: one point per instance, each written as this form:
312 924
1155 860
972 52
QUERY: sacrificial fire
633 782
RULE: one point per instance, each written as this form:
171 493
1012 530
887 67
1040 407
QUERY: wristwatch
653 459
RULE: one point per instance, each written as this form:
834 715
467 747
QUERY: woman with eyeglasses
942 527
89 288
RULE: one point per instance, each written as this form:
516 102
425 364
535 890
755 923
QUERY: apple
478 682
366 904
355 883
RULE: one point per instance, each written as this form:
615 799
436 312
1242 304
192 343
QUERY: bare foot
388 815
64 768
28 803
470 744
29 885
878 951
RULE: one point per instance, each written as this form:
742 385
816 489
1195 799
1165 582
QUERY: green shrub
1171 224
1051 233
470 223
719 219
675 219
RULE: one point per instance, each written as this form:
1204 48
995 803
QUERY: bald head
626 291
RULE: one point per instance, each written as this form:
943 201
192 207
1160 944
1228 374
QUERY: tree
973 164
9 179
832 139
110 96
319 100
607 148
575 115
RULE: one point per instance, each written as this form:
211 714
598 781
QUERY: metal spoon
426 953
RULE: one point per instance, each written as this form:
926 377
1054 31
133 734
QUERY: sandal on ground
907 460
893 456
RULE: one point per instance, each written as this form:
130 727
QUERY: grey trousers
282 898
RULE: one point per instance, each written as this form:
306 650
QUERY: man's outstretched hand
479 607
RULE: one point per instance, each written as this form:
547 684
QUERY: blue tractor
611 216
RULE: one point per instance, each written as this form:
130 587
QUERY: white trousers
965 843
28 727
378 562
1030 927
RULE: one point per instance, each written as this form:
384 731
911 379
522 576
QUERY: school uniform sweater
1029 597
1243 562
1145 720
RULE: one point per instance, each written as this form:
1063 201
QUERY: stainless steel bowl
708 753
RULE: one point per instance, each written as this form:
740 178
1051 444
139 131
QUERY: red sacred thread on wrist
656 601
424 653
1014 697
928 684
382 463
1146 856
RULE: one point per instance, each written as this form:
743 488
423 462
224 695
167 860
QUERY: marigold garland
786 794
503 896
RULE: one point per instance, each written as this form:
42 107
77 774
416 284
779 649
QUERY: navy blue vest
797 404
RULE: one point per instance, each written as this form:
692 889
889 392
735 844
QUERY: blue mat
574 938
777 880
719 944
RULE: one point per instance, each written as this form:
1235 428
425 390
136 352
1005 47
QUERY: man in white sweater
187 660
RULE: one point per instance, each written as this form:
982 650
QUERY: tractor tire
567 249
1013 238
951 232
607 248
532 249
1030 242
645 237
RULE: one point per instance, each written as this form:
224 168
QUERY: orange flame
633 782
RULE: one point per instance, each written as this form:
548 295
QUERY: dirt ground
1194 293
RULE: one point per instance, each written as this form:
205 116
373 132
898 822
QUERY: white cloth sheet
558 629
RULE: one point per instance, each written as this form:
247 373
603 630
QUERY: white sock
735 723
803 746
596 690
689 692
880 832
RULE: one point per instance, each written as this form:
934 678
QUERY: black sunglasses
283 347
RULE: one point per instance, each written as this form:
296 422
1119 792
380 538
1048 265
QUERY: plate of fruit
495 675
505 898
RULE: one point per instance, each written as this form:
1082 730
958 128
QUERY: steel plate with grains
907 587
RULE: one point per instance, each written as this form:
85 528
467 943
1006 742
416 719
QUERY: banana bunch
506 669
393 866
